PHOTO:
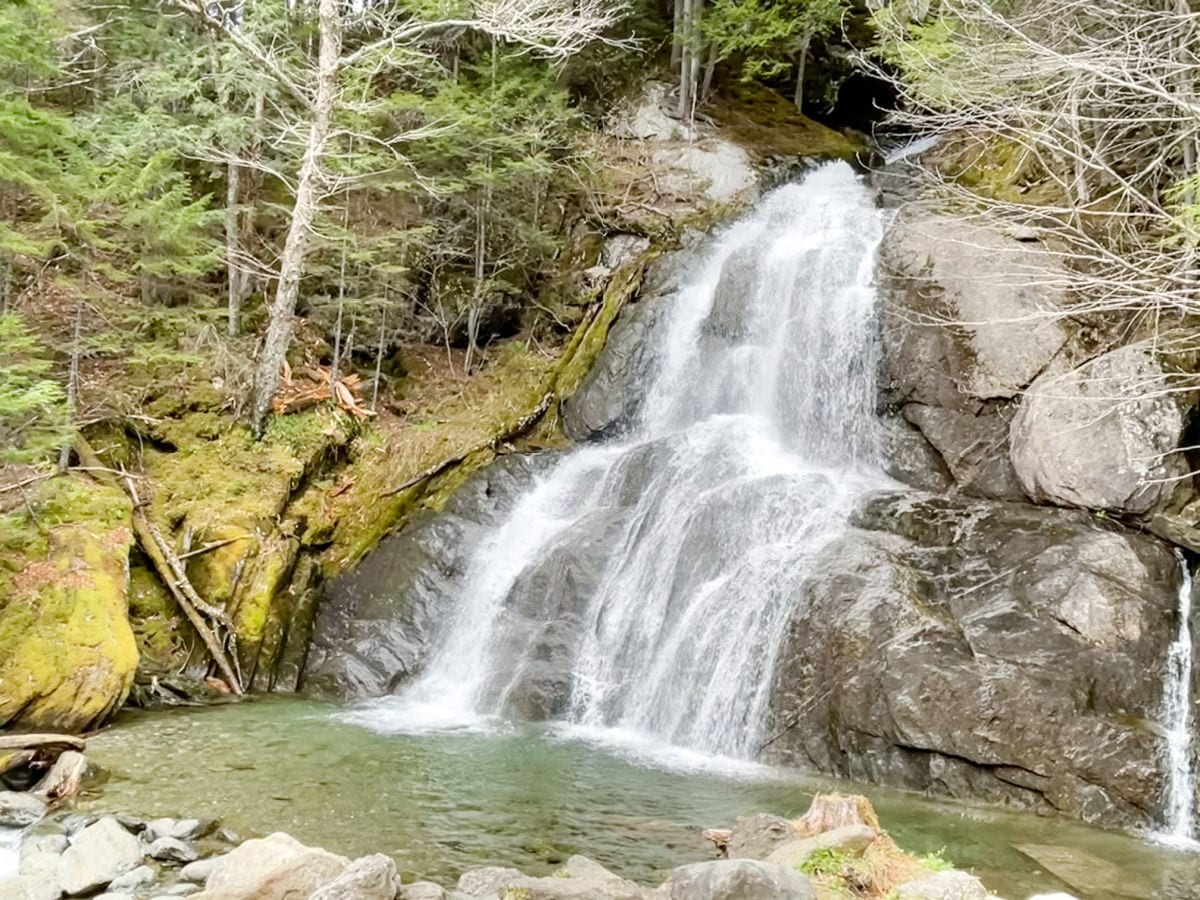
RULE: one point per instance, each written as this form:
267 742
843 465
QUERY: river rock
754 837
737 879
199 870
969 313
17 810
277 867
369 878
29 887
945 886
421 890
1102 436
100 853
53 844
580 879
173 850
133 880
930 638
849 839
64 778
186 890
488 880
179 829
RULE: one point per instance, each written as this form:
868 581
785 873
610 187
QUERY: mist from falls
755 433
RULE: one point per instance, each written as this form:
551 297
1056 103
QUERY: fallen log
169 568
64 779
41 741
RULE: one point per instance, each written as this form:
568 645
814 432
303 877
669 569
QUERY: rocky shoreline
48 851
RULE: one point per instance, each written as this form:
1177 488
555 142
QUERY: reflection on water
441 803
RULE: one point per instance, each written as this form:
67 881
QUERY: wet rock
981 649
29 887
737 879
754 837
910 458
173 850
421 890
974 446
100 853
41 864
277 867
53 844
849 839
377 623
1102 436
969 312
18 810
582 867
133 880
64 778
945 886
369 878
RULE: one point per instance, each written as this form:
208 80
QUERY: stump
829 811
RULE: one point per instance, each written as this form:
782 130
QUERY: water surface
528 797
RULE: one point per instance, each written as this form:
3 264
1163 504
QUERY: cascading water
1177 712
10 842
754 435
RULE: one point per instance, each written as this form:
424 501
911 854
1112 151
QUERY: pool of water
528 797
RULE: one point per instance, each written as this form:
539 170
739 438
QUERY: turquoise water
528 797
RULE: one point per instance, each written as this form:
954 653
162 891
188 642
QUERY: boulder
580 879
945 886
199 870
985 650
974 447
186 890
99 853
488 880
67 651
277 867
737 879
369 878
173 850
969 312
711 169
19 809
1103 435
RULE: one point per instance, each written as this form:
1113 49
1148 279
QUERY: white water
756 433
1177 712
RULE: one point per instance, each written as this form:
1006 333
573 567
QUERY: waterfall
641 587
1177 712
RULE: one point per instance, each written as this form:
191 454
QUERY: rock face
967 325
67 652
379 622
1101 436
983 649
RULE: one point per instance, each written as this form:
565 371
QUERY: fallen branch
41 742
213 546
167 565
519 428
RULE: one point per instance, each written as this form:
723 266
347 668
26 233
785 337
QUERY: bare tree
357 40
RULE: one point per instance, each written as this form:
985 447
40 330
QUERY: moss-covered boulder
67 652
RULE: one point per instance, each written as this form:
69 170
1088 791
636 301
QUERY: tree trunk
709 69
685 62
801 63
677 41
295 249
232 234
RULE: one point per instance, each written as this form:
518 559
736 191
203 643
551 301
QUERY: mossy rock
67 651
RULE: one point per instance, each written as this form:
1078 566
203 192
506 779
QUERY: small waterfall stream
663 565
1177 713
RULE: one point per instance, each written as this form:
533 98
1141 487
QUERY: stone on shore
945 886
849 839
277 867
421 890
173 850
580 879
133 880
754 837
199 870
369 878
737 879
18 810
29 887
99 854
179 829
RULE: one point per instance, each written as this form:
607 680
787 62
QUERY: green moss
767 124
67 653
825 862
936 861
